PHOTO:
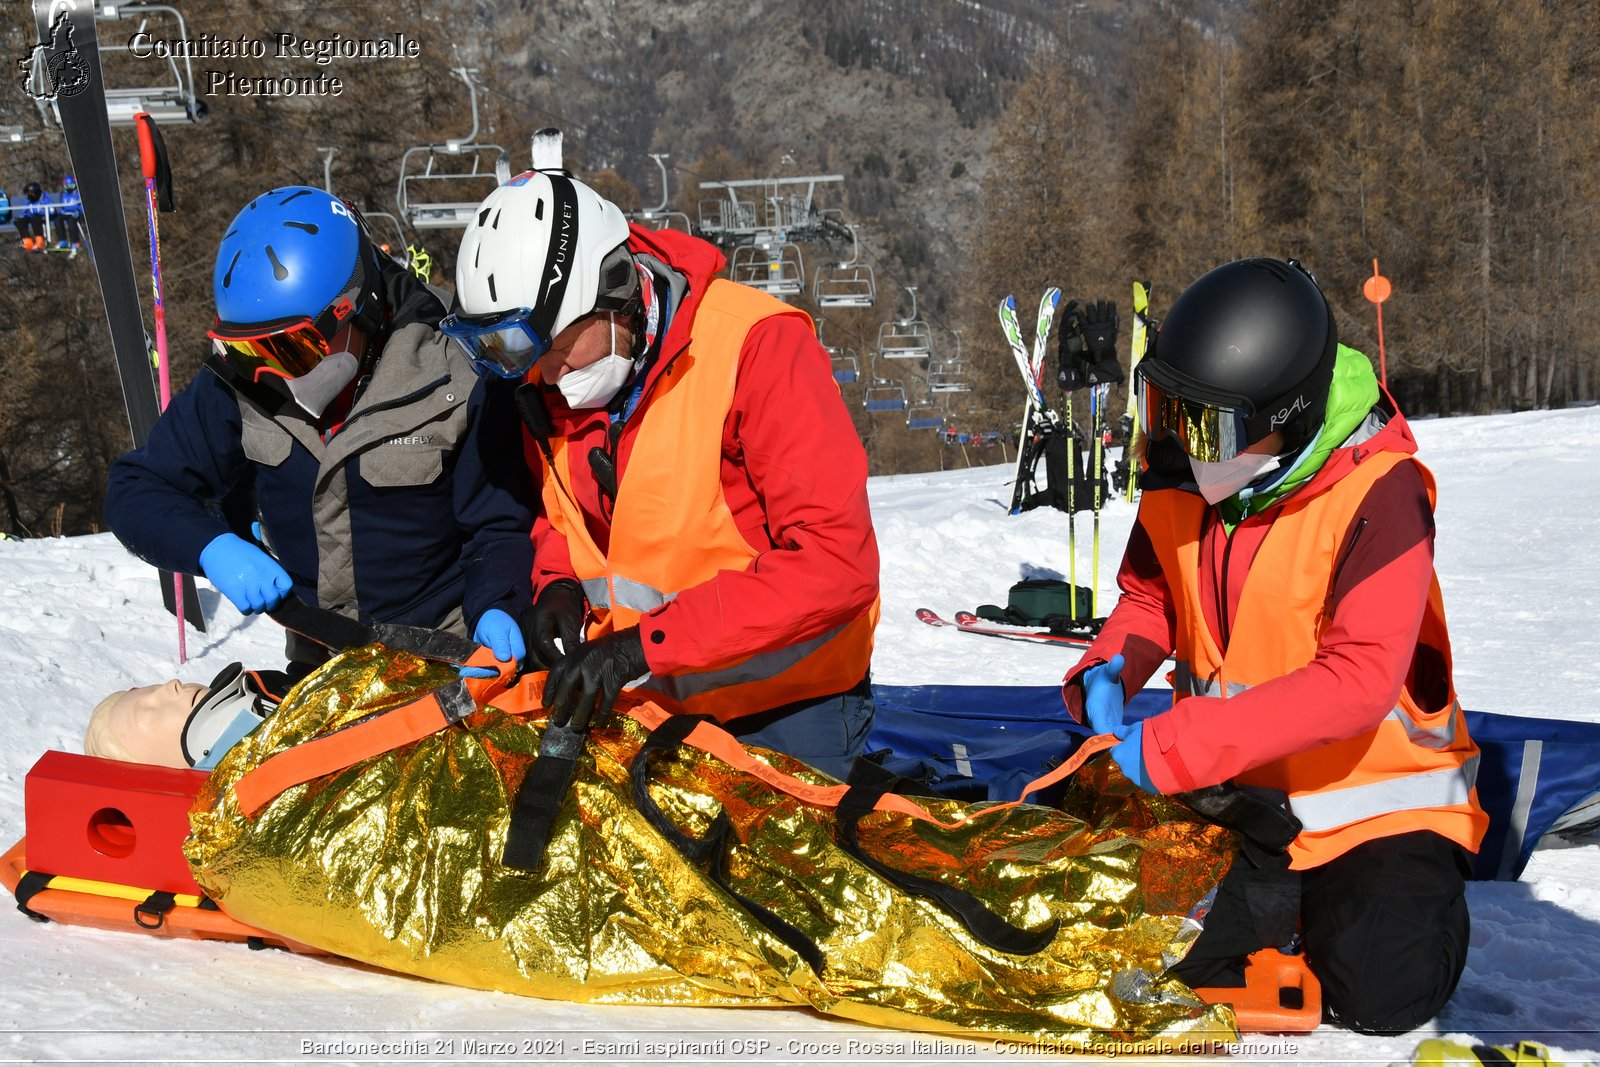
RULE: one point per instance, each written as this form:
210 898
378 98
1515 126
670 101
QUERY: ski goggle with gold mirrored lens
504 344
286 349
1209 431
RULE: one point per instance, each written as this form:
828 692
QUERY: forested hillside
986 148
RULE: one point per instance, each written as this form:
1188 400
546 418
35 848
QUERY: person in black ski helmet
1283 556
388 477
33 217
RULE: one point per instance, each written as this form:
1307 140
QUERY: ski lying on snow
968 623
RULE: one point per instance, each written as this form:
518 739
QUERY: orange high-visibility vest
1416 770
672 528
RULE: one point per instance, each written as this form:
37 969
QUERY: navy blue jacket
419 505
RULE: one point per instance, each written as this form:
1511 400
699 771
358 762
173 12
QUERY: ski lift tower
172 99
763 236
442 200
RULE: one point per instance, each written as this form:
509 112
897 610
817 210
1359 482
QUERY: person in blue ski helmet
386 475
68 220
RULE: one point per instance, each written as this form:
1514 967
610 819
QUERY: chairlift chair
439 201
846 369
883 394
658 217
846 284
172 100
924 414
908 338
773 266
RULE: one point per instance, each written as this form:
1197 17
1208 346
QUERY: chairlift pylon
908 338
422 196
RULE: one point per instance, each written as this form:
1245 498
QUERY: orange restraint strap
451 703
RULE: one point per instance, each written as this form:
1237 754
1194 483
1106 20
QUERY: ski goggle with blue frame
505 344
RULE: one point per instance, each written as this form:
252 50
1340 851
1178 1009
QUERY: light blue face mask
1218 481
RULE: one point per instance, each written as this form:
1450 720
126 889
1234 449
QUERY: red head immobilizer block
109 821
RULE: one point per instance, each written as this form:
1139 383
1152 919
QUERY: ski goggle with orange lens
504 344
1209 431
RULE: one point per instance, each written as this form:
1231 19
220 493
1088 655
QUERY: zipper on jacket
399 401
1350 550
1224 609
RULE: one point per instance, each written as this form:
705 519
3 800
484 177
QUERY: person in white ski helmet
705 510
1283 557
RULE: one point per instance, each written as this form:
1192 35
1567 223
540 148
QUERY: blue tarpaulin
979 742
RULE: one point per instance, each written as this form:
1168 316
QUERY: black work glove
586 682
559 612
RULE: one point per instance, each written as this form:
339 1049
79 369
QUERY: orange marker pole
1377 290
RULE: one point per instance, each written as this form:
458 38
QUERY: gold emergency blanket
396 862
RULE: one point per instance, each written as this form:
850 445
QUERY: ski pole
1098 395
1377 290
1072 510
1138 340
158 196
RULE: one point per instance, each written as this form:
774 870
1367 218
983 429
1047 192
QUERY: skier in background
33 217
387 475
1283 553
68 219
705 491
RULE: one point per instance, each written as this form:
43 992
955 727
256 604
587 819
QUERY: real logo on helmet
1283 416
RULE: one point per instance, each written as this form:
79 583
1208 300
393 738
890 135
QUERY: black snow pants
1384 928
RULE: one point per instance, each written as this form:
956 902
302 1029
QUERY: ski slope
1518 524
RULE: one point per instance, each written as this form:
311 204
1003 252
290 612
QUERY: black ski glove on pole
1070 350
586 682
1100 340
558 612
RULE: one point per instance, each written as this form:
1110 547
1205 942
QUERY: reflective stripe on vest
672 528
685 687
1333 808
635 596
1442 736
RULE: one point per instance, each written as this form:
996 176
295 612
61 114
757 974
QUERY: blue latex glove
498 632
243 573
1129 756
1103 699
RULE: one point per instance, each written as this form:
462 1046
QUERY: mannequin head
143 725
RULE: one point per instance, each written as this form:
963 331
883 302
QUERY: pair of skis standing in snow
1087 360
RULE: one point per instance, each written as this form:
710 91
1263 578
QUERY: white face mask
593 386
1219 481
315 389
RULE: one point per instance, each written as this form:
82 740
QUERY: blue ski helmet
69 183
295 254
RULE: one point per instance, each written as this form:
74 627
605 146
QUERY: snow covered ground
1519 518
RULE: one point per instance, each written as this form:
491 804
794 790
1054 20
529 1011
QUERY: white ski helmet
546 242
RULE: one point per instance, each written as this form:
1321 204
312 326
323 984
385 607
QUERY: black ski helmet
33 190
1256 331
